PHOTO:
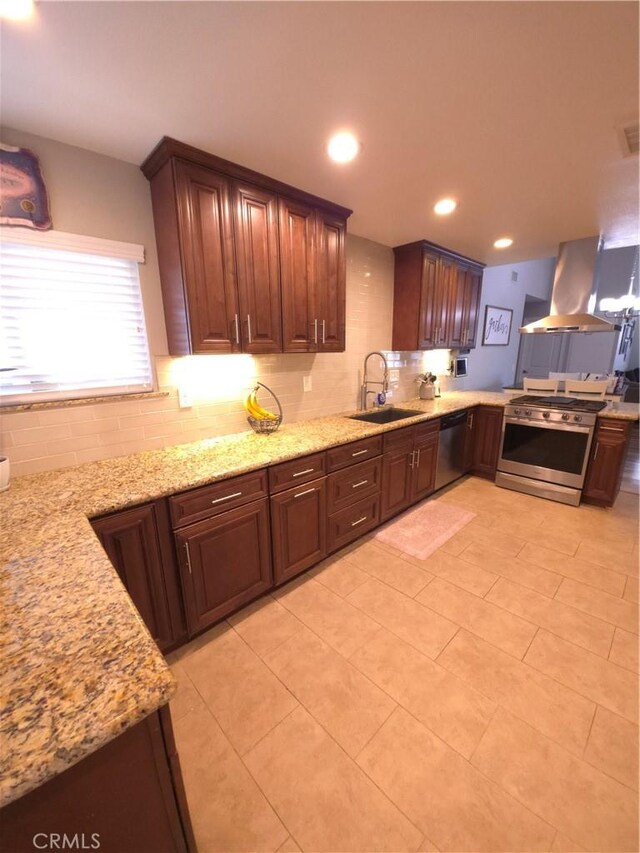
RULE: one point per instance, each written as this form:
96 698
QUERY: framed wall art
497 326
23 195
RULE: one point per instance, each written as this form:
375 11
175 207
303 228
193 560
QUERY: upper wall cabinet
247 264
436 298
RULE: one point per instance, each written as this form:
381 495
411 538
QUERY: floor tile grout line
349 758
492 782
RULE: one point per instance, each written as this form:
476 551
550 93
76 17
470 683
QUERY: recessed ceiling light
16 10
503 243
343 147
445 206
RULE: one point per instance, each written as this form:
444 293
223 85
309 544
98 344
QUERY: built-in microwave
460 366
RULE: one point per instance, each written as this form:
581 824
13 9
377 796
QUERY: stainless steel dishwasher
452 448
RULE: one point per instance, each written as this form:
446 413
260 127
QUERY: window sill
84 401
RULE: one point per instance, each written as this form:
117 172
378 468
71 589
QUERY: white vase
4 473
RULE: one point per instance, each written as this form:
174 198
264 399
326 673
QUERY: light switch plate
307 383
185 398
394 376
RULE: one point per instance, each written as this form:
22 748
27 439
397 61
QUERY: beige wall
100 196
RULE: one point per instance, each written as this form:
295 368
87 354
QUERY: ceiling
511 107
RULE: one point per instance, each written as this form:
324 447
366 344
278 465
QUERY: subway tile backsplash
55 438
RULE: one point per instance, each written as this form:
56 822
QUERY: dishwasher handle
450 421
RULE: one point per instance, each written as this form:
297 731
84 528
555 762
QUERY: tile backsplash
55 438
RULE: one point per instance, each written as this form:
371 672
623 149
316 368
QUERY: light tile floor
484 699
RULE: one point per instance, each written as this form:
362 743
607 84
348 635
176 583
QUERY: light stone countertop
78 665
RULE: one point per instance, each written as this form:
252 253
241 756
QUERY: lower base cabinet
127 797
225 562
606 461
298 529
486 437
409 467
138 543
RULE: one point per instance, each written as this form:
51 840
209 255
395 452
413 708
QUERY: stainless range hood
575 286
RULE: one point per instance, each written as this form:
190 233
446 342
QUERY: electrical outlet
514 275
307 383
394 376
185 398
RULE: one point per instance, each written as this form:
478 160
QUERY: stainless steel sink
385 416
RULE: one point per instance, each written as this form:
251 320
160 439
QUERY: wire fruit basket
266 425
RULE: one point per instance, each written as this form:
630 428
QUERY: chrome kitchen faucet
364 389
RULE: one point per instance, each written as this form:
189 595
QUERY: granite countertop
78 664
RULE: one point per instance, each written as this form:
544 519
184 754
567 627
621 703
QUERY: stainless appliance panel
452 444
538 488
555 452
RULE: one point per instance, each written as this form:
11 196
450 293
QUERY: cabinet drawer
350 523
356 451
427 429
354 484
216 498
289 474
398 440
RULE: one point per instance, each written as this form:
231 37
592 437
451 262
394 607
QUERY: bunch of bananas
255 410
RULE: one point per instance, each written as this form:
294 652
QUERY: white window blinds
71 318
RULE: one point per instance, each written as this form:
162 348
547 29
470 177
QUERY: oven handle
546 425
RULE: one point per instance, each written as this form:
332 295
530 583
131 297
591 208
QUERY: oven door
553 452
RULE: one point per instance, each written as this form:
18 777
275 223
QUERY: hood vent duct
575 286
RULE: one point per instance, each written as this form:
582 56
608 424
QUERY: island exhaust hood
575 287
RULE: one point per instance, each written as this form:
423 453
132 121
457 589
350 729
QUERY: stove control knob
528 412
546 415
577 418
565 417
516 411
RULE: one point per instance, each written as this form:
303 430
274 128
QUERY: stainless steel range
545 446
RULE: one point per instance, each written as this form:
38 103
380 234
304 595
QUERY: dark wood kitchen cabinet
436 297
247 263
126 797
298 529
606 461
409 465
486 436
258 269
138 543
225 562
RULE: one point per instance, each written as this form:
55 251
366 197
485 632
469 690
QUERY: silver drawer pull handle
237 328
611 429
306 492
227 498
306 471
186 549
359 521
359 452
357 485
249 328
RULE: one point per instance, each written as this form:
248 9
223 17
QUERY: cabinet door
397 481
208 258
425 466
471 306
429 305
606 464
298 529
330 282
258 265
446 283
297 246
457 318
487 434
225 562
133 544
